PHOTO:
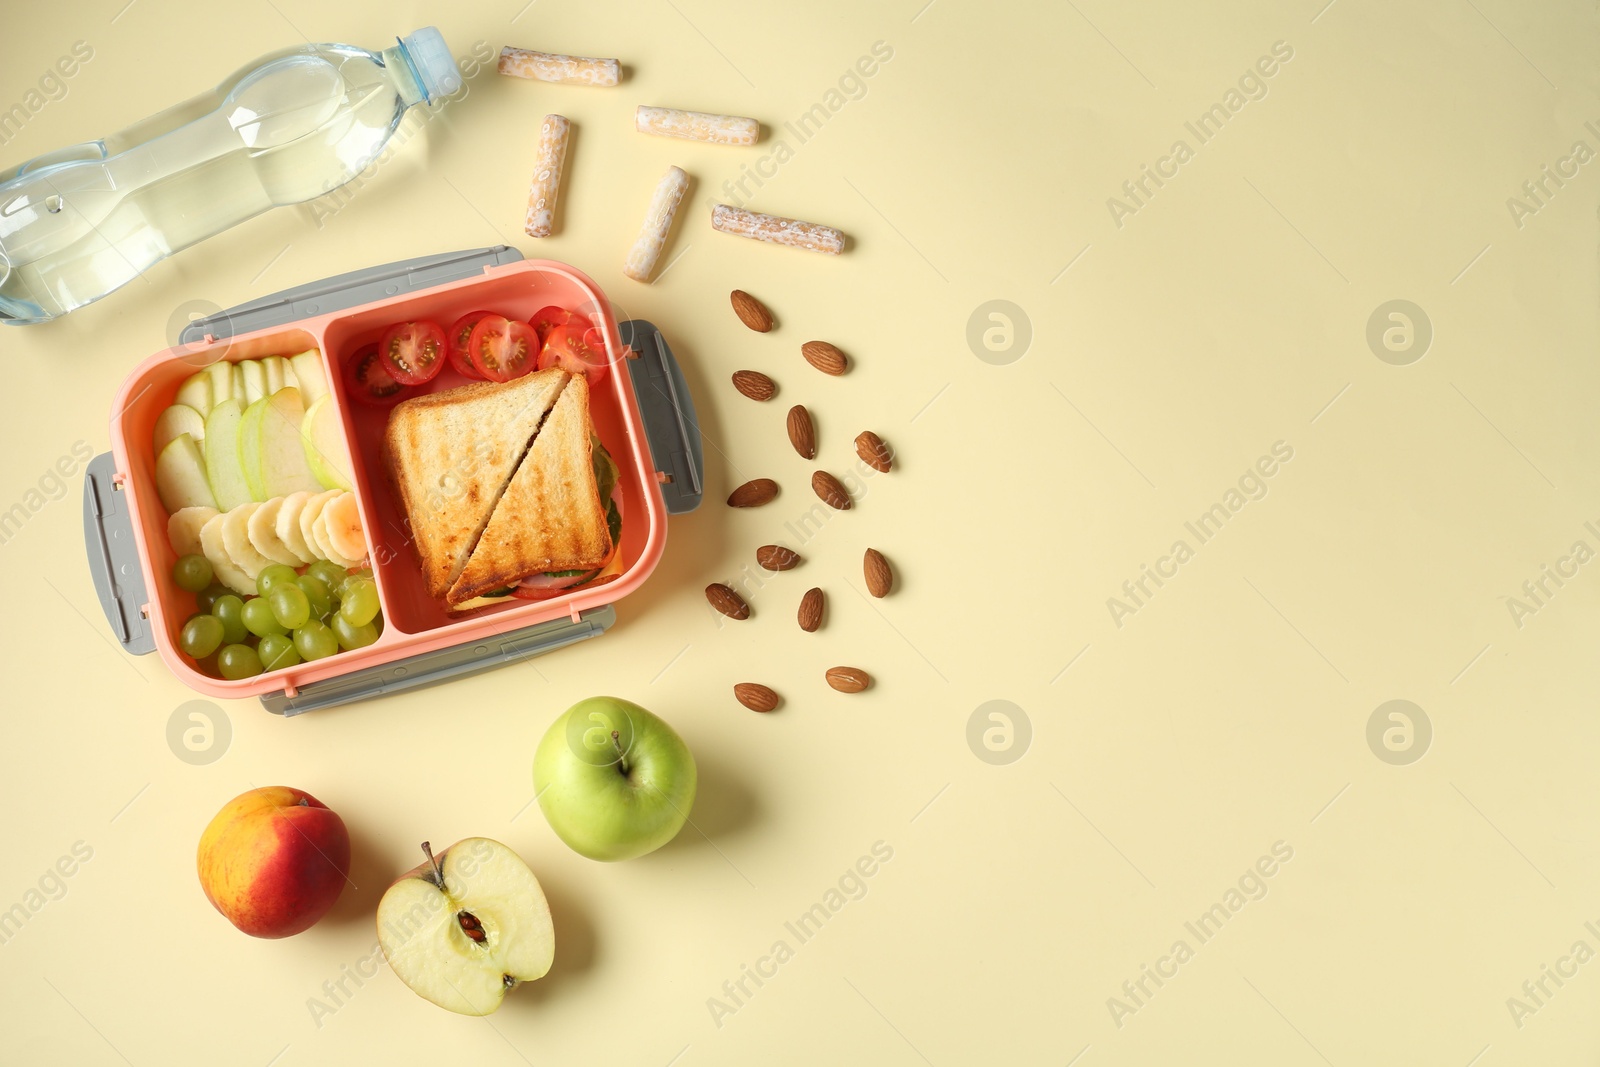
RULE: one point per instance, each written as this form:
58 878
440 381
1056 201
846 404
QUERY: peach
274 860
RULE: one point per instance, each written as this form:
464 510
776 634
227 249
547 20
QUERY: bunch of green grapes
294 617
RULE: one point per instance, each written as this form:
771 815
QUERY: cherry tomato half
502 348
576 349
414 352
548 318
459 334
368 380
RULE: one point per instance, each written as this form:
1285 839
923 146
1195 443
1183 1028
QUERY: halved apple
466 926
181 476
326 450
224 467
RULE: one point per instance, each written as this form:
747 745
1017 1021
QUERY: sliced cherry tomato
368 380
577 349
414 352
459 333
548 318
502 348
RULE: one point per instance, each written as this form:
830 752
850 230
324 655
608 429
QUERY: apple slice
467 925
183 529
276 368
181 476
287 526
326 449
309 376
284 466
263 531
255 379
227 572
195 392
179 418
236 541
308 520
223 464
220 374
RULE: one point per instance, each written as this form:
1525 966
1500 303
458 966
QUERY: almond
811 611
825 357
802 434
880 579
725 600
832 493
777 558
753 494
754 384
755 696
752 312
848 679
870 447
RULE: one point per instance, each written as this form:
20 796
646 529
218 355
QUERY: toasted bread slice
450 456
550 517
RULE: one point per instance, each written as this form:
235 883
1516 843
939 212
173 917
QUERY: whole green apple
613 780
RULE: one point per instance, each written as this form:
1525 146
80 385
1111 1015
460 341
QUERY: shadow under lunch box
641 410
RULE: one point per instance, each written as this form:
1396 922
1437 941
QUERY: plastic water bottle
81 222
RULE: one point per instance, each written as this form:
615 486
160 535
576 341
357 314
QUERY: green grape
200 636
330 573
350 579
277 651
230 609
291 605
238 661
352 636
192 573
360 603
377 623
314 640
206 598
273 575
259 619
316 591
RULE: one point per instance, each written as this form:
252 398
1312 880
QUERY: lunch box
642 412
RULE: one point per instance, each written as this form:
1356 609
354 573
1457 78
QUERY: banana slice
221 563
319 529
236 540
343 521
263 532
183 529
308 517
286 525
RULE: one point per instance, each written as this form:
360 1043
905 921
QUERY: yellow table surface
1181 737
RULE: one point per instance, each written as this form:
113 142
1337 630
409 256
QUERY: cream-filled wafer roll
657 221
547 176
696 125
777 230
553 67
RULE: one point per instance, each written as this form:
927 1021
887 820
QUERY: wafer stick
777 230
547 176
696 125
553 67
657 221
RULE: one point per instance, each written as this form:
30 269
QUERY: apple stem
438 872
616 743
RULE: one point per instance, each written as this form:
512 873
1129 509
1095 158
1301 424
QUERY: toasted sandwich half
550 517
451 455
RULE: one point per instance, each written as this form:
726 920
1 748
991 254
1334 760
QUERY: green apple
223 464
466 926
613 780
220 374
308 375
177 419
254 376
270 448
181 476
325 446
195 392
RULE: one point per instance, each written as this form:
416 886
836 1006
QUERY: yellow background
1229 713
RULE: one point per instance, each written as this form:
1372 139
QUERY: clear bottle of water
79 223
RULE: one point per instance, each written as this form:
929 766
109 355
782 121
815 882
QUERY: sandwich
504 484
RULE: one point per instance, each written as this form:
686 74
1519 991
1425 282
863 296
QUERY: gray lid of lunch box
665 407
